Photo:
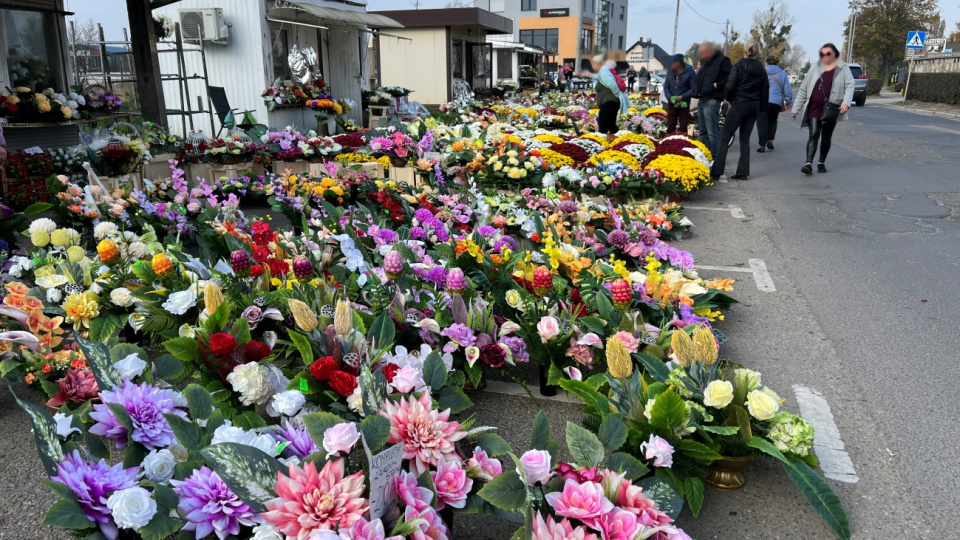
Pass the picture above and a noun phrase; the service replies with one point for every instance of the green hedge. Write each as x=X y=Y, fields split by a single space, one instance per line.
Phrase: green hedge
x=874 y=86
x=935 y=87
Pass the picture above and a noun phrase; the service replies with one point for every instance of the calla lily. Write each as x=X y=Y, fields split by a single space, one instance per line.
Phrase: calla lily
x=429 y=324
x=691 y=289
x=507 y=328
x=573 y=373
x=17 y=314
x=591 y=340
x=473 y=353
x=23 y=338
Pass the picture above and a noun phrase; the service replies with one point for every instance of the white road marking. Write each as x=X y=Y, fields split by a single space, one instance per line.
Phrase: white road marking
x=735 y=210
x=827 y=444
x=757 y=267
x=514 y=389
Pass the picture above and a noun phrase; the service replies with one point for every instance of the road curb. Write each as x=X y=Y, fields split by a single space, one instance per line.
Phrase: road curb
x=938 y=114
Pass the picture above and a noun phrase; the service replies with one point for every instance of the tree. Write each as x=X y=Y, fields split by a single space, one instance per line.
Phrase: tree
x=736 y=52
x=882 y=27
x=771 y=28
x=955 y=36
x=693 y=54
x=794 y=56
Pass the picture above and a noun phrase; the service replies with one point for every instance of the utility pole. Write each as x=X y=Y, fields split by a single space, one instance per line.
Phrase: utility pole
x=726 y=37
x=676 y=24
x=854 y=11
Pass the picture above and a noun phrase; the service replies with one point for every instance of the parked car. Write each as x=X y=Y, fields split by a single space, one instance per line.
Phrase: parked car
x=860 y=81
x=656 y=82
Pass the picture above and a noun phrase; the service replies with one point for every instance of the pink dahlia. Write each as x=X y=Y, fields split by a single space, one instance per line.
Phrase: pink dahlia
x=631 y=498
x=410 y=492
x=308 y=500
x=562 y=530
x=452 y=484
x=428 y=437
x=76 y=386
x=432 y=528
x=585 y=502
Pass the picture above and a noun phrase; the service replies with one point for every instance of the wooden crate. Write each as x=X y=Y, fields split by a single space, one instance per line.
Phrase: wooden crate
x=229 y=171
x=403 y=174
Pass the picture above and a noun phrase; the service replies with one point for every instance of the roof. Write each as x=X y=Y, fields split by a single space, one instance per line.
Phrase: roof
x=659 y=54
x=357 y=17
x=434 y=18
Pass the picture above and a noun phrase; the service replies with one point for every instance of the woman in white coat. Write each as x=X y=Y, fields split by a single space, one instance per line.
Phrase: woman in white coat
x=824 y=98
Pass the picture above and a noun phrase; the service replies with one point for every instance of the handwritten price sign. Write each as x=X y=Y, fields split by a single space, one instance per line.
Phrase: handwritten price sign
x=383 y=467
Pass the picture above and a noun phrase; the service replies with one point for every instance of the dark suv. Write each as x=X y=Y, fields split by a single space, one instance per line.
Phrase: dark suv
x=859 y=84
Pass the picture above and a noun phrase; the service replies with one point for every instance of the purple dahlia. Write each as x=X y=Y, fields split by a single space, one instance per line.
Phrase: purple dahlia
x=93 y=485
x=211 y=507
x=145 y=404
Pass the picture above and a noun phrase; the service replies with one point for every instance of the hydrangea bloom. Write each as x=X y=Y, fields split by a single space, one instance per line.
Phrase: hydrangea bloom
x=308 y=500
x=145 y=404
x=211 y=507
x=428 y=437
x=93 y=485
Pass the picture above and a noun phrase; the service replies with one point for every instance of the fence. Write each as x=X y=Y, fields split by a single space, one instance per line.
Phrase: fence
x=105 y=63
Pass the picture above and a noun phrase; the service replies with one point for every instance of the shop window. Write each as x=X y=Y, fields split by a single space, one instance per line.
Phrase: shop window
x=545 y=38
x=623 y=14
x=504 y=64
x=281 y=49
x=528 y=5
x=31 y=44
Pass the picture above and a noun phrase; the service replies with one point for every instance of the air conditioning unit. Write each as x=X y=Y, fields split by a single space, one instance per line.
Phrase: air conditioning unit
x=204 y=24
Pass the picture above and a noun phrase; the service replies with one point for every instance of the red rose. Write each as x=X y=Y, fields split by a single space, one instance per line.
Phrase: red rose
x=260 y=253
x=323 y=368
x=390 y=371
x=222 y=344
x=256 y=351
x=256 y=270
x=493 y=355
x=343 y=383
x=278 y=267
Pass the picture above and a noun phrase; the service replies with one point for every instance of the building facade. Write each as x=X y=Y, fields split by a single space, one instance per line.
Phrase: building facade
x=645 y=53
x=575 y=30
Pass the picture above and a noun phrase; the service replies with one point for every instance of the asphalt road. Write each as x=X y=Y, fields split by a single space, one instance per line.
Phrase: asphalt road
x=864 y=313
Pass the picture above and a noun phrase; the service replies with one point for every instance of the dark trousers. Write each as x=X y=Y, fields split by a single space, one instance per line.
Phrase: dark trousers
x=675 y=115
x=741 y=116
x=607 y=117
x=822 y=131
x=767 y=123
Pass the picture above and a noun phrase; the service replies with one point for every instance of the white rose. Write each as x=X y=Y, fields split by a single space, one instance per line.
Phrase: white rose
x=54 y=296
x=718 y=394
x=132 y=508
x=267 y=531
x=229 y=433
x=548 y=328
x=121 y=296
x=763 y=404
x=158 y=465
x=407 y=379
x=15 y=271
x=130 y=367
x=286 y=403
x=536 y=466
x=179 y=303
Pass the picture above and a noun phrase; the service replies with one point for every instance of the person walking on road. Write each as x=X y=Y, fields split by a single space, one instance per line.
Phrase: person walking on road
x=611 y=99
x=824 y=98
x=781 y=98
x=748 y=91
x=631 y=79
x=643 y=79
x=709 y=89
x=678 y=89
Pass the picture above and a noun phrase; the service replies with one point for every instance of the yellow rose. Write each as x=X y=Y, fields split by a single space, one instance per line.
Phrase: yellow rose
x=513 y=299
x=763 y=404
x=718 y=394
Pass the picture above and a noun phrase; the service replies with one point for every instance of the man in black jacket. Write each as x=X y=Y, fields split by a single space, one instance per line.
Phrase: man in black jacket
x=709 y=88
x=748 y=91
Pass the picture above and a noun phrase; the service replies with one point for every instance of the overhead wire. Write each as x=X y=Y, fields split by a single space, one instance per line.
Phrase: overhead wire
x=701 y=16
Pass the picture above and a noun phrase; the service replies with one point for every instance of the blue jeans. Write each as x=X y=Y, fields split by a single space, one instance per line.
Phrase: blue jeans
x=709 y=118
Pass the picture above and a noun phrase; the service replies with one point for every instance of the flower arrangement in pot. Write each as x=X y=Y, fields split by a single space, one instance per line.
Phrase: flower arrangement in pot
x=162 y=25
x=116 y=155
x=392 y=143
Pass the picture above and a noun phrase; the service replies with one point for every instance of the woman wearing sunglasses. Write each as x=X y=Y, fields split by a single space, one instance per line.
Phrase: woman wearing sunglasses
x=824 y=98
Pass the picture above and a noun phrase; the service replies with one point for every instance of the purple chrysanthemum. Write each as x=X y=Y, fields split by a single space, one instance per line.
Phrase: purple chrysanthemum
x=417 y=233
x=618 y=238
x=93 y=484
x=386 y=236
x=145 y=404
x=301 y=444
x=422 y=215
x=567 y=207
x=211 y=507
x=486 y=230
x=649 y=237
x=437 y=275
x=517 y=346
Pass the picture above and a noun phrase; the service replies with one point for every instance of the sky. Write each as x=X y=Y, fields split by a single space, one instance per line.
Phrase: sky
x=817 y=21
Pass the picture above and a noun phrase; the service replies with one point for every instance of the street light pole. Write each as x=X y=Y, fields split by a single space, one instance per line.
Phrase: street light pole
x=854 y=11
x=676 y=23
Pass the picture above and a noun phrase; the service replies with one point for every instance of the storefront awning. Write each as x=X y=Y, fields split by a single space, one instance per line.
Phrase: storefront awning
x=345 y=16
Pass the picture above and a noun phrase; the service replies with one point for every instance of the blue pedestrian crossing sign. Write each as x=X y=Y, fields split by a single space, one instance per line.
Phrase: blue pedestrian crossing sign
x=916 y=39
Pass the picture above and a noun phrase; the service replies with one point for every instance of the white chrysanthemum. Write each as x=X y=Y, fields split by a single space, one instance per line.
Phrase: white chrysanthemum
x=250 y=383
x=132 y=508
x=137 y=250
x=54 y=296
x=46 y=225
x=267 y=531
x=105 y=229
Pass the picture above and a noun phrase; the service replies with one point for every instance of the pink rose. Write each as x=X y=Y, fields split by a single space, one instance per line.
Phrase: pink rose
x=594 y=181
x=585 y=502
x=193 y=207
x=629 y=341
x=548 y=328
x=340 y=438
x=582 y=474
x=659 y=450
x=452 y=484
x=407 y=379
x=482 y=466
x=536 y=466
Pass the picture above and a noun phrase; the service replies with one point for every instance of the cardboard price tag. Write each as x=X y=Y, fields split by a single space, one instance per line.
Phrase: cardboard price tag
x=382 y=468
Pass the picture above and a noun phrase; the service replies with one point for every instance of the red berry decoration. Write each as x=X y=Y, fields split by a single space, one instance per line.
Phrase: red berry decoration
x=302 y=267
x=622 y=294
x=542 y=281
x=240 y=262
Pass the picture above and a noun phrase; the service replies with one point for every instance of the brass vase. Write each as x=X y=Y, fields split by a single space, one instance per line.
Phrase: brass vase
x=727 y=473
x=470 y=388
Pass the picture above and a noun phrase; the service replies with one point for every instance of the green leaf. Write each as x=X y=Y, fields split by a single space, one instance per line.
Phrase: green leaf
x=98 y=358
x=188 y=433
x=766 y=447
x=594 y=324
x=376 y=431
x=169 y=368
x=319 y=422
x=584 y=446
x=506 y=491
x=721 y=430
x=667 y=499
x=37 y=208
x=693 y=492
x=183 y=348
x=104 y=327
x=542 y=432
x=455 y=399
x=303 y=346
x=382 y=331
x=248 y=471
x=160 y=527
x=242 y=329
x=66 y=513
x=625 y=463
x=820 y=496
x=8 y=365
x=249 y=420
x=654 y=366
x=613 y=432
x=493 y=444
x=698 y=451
x=122 y=350
x=434 y=372
x=44 y=434
x=668 y=411
x=739 y=417
x=587 y=393
x=199 y=401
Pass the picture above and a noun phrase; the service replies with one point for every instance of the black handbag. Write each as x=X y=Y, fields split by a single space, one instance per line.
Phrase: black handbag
x=831 y=111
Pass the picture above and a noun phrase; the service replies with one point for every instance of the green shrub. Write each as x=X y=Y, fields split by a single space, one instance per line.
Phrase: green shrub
x=935 y=87
x=874 y=86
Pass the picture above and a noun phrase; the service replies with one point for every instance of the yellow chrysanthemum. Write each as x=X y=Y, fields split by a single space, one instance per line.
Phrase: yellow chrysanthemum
x=596 y=137
x=687 y=172
x=75 y=254
x=547 y=137
x=624 y=158
x=79 y=308
x=635 y=138
x=654 y=110
x=703 y=148
x=40 y=238
x=60 y=238
x=555 y=159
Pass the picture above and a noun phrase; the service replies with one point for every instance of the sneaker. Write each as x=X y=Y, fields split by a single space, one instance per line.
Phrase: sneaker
x=761 y=149
x=806 y=169
x=770 y=145
x=821 y=168
x=738 y=177
x=714 y=178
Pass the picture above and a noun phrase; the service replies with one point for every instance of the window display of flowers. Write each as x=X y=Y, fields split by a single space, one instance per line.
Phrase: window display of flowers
x=100 y=101
x=25 y=104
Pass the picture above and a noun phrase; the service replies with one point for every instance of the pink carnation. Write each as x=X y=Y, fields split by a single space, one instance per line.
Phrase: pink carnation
x=580 y=353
